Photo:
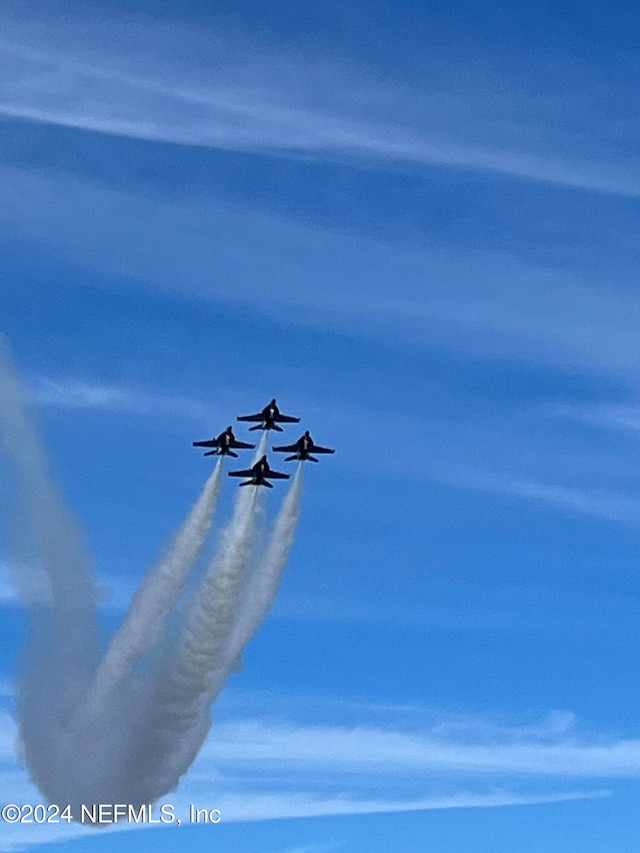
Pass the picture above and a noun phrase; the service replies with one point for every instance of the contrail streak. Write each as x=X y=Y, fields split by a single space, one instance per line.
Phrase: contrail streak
x=53 y=532
x=244 y=612
x=262 y=586
x=213 y=614
x=176 y=718
x=54 y=577
x=126 y=730
x=159 y=593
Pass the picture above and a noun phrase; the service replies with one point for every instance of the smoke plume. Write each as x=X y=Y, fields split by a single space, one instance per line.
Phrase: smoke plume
x=126 y=727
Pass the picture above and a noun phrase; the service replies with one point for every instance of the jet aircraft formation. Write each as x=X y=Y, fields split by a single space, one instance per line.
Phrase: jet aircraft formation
x=259 y=474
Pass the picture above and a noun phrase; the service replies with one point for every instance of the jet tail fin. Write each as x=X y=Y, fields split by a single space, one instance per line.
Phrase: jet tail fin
x=291 y=458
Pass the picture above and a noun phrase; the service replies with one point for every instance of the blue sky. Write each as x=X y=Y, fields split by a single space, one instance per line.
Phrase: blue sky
x=418 y=230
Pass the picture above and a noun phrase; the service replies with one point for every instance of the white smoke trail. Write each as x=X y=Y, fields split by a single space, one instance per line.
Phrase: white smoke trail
x=213 y=613
x=232 y=621
x=58 y=591
x=154 y=600
x=263 y=584
x=261 y=449
x=175 y=713
x=244 y=612
x=120 y=732
x=53 y=531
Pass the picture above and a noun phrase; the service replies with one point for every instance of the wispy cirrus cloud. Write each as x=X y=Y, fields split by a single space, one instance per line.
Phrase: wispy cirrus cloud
x=618 y=418
x=319 y=847
x=331 y=761
x=295 y=805
x=363 y=749
x=480 y=304
x=248 y=807
x=610 y=505
x=455 y=608
x=455 y=447
x=232 y=92
x=77 y=394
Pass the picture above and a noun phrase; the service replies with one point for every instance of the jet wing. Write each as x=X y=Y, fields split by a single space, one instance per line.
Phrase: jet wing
x=251 y=418
x=276 y=475
x=316 y=449
x=261 y=482
x=241 y=445
x=212 y=442
x=285 y=419
x=248 y=473
x=287 y=448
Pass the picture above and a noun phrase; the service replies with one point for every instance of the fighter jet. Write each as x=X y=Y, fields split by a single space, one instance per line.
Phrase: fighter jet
x=223 y=444
x=258 y=474
x=269 y=418
x=303 y=448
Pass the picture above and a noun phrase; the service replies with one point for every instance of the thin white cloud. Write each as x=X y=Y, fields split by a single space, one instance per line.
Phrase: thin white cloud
x=368 y=749
x=478 y=304
x=472 y=609
x=318 y=847
x=613 y=504
x=268 y=807
x=510 y=610
x=354 y=760
x=620 y=418
x=75 y=394
x=246 y=96
x=248 y=807
x=81 y=395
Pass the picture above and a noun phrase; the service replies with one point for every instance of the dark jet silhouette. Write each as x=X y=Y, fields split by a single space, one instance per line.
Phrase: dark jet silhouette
x=303 y=448
x=259 y=473
x=269 y=418
x=224 y=444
